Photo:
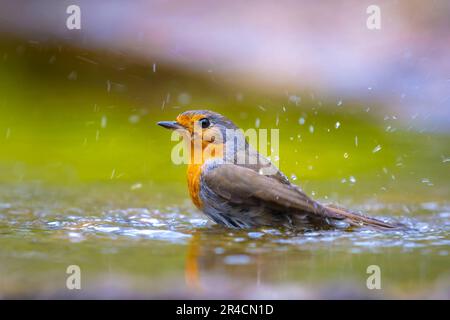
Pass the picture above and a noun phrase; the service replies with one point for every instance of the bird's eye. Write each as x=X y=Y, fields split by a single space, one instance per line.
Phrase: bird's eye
x=204 y=123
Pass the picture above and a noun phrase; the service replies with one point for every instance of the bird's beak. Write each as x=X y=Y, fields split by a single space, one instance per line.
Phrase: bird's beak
x=172 y=125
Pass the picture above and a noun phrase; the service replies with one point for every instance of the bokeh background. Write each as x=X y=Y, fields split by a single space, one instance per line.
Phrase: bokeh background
x=364 y=119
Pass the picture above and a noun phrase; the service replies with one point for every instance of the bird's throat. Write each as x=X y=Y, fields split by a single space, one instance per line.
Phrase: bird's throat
x=194 y=170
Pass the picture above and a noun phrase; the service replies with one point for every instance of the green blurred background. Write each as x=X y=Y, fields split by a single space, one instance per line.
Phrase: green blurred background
x=74 y=116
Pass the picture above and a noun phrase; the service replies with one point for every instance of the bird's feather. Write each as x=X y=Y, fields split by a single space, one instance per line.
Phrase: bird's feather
x=246 y=187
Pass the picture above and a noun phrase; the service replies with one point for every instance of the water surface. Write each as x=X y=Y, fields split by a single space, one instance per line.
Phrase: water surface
x=151 y=243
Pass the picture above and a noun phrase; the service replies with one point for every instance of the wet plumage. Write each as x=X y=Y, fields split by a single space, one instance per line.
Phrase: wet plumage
x=250 y=193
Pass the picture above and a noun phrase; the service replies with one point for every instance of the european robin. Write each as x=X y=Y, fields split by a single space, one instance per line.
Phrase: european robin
x=239 y=188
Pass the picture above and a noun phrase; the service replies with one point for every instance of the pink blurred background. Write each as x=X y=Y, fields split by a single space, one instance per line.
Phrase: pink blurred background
x=279 y=46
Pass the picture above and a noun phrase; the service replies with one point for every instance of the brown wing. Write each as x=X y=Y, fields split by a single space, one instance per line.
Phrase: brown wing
x=240 y=185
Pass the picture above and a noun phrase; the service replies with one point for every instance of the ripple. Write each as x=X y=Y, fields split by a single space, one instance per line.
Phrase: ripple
x=428 y=226
x=156 y=234
x=238 y=259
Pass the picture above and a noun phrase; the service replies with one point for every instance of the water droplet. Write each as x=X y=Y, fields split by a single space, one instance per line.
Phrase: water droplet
x=295 y=99
x=136 y=186
x=376 y=149
x=184 y=98
x=72 y=76
x=134 y=118
x=103 y=121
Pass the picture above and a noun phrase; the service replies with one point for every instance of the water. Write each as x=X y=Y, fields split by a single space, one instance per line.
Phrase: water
x=151 y=243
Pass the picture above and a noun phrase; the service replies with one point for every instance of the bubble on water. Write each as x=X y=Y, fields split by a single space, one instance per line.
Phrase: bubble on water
x=156 y=234
x=255 y=235
x=219 y=250
x=293 y=177
x=346 y=155
x=152 y=221
x=444 y=215
x=105 y=229
x=352 y=179
x=237 y=259
x=340 y=224
x=301 y=121
x=198 y=222
x=337 y=125
x=311 y=128
x=376 y=149
x=257 y=123
x=54 y=224
x=4 y=205
x=75 y=236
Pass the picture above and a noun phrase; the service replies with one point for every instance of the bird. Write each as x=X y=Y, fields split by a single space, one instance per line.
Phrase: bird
x=239 y=188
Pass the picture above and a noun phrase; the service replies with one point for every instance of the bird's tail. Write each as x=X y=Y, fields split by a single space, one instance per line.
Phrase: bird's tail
x=357 y=219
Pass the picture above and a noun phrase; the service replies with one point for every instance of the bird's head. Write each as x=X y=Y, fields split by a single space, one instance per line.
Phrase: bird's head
x=201 y=125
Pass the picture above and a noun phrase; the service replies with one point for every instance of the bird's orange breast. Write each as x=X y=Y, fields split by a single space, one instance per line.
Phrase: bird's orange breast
x=194 y=173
